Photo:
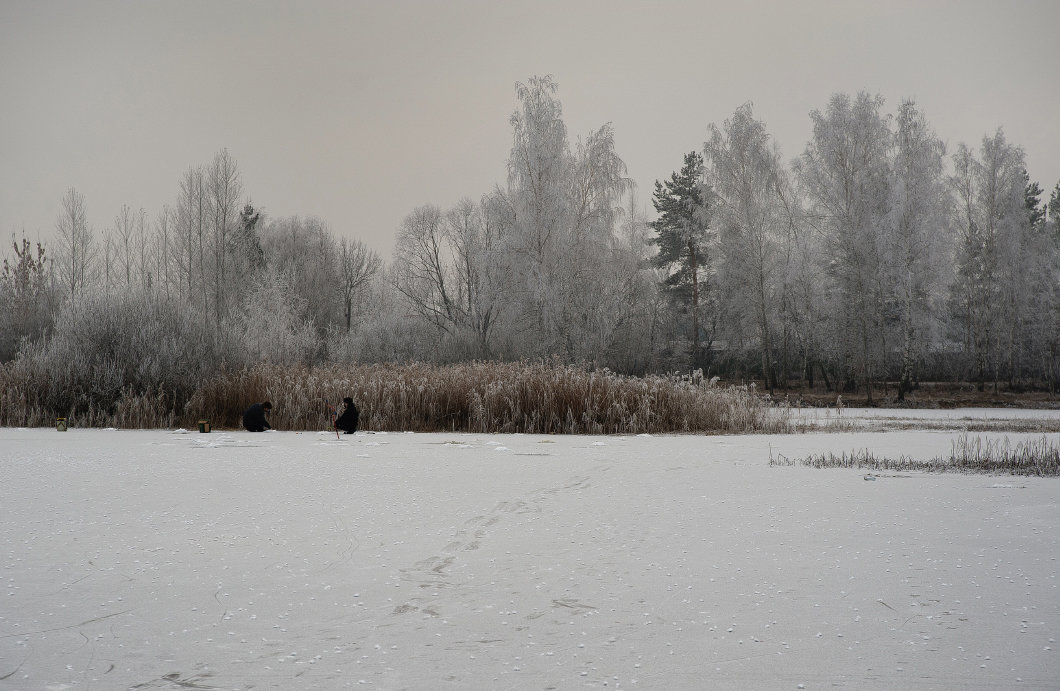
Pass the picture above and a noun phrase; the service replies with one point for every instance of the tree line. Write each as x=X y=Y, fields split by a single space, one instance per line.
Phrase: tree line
x=873 y=256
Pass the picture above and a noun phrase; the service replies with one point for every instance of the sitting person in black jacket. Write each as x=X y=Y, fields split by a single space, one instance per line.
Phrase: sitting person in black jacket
x=254 y=419
x=347 y=421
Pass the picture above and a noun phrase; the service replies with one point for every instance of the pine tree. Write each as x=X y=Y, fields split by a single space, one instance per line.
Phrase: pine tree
x=1054 y=210
x=1032 y=194
x=683 y=235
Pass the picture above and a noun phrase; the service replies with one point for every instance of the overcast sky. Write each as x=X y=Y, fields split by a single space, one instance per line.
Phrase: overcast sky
x=358 y=111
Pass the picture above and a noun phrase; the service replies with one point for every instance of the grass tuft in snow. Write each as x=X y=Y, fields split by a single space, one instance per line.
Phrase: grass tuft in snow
x=968 y=455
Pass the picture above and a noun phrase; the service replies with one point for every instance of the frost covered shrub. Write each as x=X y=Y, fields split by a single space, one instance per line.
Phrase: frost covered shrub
x=123 y=360
x=487 y=397
x=271 y=325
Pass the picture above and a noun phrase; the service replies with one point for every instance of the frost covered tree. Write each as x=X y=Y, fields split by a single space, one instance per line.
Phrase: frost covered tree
x=163 y=253
x=78 y=251
x=248 y=255
x=803 y=306
x=272 y=325
x=143 y=251
x=448 y=275
x=743 y=174
x=304 y=253
x=358 y=265
x=561 y=205
x=642 y=309
x=683 y=238
x=535 y=269
x=538 y=167
x=990 y=296
x=126 y=248
x=538 y=176
x=224 y=187
x=846 y=175
x=423 y=271
x=1051 y=320
x=206 y=246
x=192 y=239
x=24 y=297
x=595 y=270
x=480 y=274
x=917 y=241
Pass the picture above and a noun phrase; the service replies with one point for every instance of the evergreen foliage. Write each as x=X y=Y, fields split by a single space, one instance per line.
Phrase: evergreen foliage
x=1032 y=202
x=683 y=238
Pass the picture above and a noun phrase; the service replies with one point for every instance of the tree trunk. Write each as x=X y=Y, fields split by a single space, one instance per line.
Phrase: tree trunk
x=763 y=327
x=695 y=303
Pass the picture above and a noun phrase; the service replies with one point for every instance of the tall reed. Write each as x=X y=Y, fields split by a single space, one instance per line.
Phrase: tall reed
x=476 y=397
x=487 y=397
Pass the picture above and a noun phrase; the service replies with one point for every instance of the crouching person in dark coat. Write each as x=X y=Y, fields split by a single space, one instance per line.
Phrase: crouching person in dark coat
x=347 y=421
x=254 y=419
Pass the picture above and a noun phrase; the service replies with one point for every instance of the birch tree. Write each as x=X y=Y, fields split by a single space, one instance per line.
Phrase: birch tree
x=988 y=294
x=78 y=251
x=164 y=245
x=845 y=173
x=561 y=242
x=917 y=240
x=743 y=175
x=538 y=174
x=126 y=249
x=224 y=188
x=595 y=269
x=193 y=238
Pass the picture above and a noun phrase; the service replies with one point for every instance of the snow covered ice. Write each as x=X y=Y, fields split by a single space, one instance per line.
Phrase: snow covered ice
x=163 y=560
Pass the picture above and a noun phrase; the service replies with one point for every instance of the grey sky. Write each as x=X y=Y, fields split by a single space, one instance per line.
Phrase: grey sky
x=357 y=112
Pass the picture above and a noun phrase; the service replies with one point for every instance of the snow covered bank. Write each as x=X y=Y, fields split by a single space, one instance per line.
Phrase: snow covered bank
x=970 y=419
x=154 y=559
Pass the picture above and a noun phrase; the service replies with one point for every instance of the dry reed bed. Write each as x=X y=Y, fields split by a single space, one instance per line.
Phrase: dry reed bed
x=475 y=397
x=487 y=397
x=968 y=455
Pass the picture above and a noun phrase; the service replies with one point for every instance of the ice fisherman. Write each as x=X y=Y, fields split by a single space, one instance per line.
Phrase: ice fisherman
x=254 y=418
x=347 y=420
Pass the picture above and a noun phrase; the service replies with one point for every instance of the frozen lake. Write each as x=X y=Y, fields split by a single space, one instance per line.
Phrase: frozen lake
x=927 y=414
x=229 y=560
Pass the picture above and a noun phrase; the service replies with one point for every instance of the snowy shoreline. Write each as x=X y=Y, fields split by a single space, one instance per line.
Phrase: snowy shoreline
x=943 y=413
x=163 y=559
